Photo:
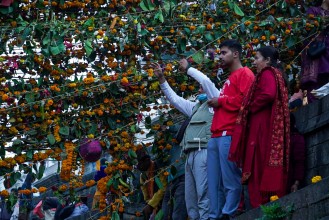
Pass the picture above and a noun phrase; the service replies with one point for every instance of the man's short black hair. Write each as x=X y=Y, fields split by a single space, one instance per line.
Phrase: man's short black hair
x=233 y=45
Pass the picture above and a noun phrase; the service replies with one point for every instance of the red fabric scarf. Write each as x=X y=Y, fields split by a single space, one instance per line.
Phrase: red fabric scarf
x=278 y=156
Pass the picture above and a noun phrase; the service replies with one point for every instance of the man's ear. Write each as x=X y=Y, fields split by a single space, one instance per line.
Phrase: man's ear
x=236 y=54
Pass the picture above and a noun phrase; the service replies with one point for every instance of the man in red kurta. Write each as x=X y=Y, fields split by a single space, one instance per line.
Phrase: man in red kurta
x=224 y=177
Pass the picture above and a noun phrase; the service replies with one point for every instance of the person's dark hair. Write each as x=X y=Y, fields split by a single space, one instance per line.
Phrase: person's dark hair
x=84 y=199
x=103 y=161
x=273 y=54
x=142 y=155
x=317 y=2
x=233 y=45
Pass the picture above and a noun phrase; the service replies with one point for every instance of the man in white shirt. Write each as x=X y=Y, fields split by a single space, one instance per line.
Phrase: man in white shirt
x=196 y=136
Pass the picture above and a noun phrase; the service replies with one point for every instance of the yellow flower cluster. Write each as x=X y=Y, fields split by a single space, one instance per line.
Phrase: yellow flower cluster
x=89 y=80
x=90 y=183
x=55 y=88
x=101 y=184
x=68 y=163
x=102 y=203
x=42 y=189
x=72 y=85
x=56 y=133
x=5 y=97
x=25 y=191
x=50 y=102
x=63 y=188
x=273 y=198
x=4 y=193
x=13 y=130
x=8 y=162
x=316 y=179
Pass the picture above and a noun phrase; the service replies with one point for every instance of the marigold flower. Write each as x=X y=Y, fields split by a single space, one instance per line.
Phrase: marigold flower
x=124 y=80
x=4 y=193
x=90 y=183
x=25 y=191
x=273 y=198
x=316 y=179
x=42 y=189
x=5 y=97
x=63 y=188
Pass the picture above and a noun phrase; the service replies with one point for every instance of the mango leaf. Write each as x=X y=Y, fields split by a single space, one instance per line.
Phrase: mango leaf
x=132 y=154
x=198 y=57
x=173 y=170
x=158 y=182
x=109 y=183
x=2 y=151
x=64 y=130
x=111 y=123
x=29 y=97
x=181 y=45
x=47 y=39
x=12 y=200
x=32 y=132
x=290 y=41
x=150 y=4
x=238 y=10
x=115 y=216
x=209 y=37
x=139 y=27
x=167 y=40
x=200 y=29
x=55 y=50
x=41 y=171
x=14 y=177
x=29 y=155
x=88 y=47
x=148 y=122
x=93 y=129
x=159 y=16
x=133 y=128
x=6 y=10
x=159 y=215
x=89 y=23
x=143 y=6
x=51 y=139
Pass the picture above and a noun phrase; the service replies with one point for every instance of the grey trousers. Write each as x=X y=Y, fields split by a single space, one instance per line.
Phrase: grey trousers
x=196 y=185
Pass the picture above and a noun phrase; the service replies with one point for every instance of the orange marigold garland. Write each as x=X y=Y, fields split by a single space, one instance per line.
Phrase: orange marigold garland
x=42 y=189
x=67 y=164
x=90 y=183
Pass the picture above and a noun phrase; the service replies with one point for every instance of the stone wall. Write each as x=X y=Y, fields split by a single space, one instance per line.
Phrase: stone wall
x=313 y=121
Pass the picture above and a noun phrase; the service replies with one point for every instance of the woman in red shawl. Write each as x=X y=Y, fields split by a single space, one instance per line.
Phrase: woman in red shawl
x=260 y=143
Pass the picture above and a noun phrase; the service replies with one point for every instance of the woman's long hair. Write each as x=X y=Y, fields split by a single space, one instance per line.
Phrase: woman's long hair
x=273 y=54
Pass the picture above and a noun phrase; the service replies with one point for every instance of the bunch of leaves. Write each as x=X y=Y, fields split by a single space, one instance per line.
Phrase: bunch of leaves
x=275 y=211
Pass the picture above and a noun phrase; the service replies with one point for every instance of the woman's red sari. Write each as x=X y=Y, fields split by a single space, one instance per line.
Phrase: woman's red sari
x=260 y=143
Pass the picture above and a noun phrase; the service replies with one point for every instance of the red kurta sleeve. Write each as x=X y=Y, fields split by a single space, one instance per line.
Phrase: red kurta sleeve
x=233 y=102
x=266 y=92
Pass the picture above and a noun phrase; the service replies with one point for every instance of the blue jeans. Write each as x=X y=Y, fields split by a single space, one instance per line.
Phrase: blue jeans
x=196 y=186
x=224 y=178
x=173 y=203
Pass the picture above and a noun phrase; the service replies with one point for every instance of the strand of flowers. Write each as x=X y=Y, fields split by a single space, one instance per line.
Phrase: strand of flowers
x=68 y=163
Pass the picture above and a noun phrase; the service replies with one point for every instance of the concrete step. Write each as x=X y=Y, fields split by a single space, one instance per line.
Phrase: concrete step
x=310 y=203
